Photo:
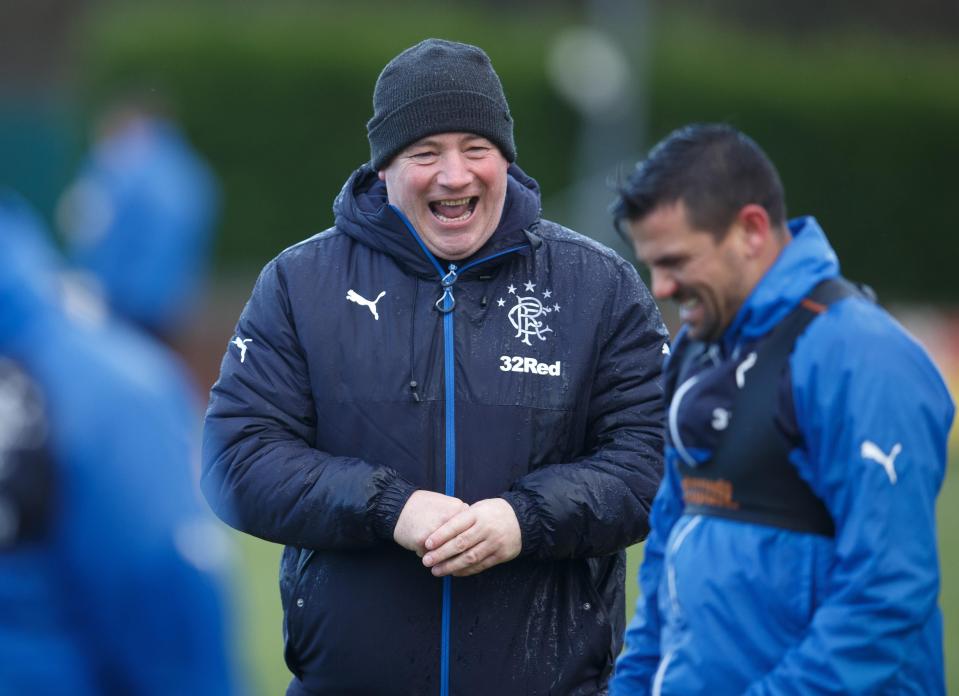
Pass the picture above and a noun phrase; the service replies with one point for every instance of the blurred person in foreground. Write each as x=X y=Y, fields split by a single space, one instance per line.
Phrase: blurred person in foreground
x=107 y=558
x=793 y=548
x=448 y=409
x=139 y=220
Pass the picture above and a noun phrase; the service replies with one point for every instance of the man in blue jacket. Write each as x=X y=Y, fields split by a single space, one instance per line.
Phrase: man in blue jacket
x=139 y=220
x=793 y=543
x=448 y=409
x=108 y=562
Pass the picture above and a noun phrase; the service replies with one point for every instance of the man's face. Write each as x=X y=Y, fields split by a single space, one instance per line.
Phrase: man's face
x=706 y=277
x=452 y=187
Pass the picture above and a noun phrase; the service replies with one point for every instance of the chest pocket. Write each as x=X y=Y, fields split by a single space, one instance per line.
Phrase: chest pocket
x=523 y=344
x=702 y=407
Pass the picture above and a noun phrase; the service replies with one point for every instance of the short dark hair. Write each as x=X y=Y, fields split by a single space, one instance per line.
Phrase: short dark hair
x=713 y=168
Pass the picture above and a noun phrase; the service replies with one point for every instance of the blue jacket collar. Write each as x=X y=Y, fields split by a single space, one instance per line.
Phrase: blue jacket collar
x=805 y=262
x=361 y=210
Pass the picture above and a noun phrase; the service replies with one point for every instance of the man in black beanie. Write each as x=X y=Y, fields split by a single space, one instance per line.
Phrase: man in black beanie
x=446 y=373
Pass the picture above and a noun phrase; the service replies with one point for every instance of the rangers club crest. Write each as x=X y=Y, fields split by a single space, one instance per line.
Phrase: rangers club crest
x=530 y=314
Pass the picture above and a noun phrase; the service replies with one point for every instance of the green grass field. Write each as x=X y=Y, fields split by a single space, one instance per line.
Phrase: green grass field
x=259 y=618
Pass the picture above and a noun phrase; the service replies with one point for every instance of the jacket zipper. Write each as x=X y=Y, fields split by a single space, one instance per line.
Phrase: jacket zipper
x=450 y=384
x=661 y=674
x=673 y=419
x=445 y=304
x=672 y=549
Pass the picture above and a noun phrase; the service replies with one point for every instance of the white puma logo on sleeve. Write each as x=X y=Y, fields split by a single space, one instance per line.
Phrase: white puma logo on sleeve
x=241 y=344
x=870 y=450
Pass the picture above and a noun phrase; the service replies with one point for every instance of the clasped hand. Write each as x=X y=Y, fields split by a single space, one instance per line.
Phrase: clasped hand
x=454 y=538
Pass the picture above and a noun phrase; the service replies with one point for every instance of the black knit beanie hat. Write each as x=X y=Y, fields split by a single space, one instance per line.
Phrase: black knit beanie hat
x=437 y=86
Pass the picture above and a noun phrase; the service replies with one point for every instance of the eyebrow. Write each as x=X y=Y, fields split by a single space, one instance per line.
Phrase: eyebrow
x=668 y=260
x=433 y=142
x=420 y=144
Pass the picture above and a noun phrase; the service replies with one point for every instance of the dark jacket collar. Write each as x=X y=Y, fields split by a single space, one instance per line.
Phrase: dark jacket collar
x=362 y=211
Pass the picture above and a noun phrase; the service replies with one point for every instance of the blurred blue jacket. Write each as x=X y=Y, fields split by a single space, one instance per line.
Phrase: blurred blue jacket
x=141 y=219
x=113 y=591
x=729 y=607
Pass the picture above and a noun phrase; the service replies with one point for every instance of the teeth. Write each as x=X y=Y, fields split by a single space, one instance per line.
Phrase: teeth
x=437 y=206
x=462 y=217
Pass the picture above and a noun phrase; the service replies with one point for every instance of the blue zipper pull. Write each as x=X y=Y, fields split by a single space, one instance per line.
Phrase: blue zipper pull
x=446 y=303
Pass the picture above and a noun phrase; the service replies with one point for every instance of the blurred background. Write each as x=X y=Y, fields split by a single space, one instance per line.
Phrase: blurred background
x=243 y=119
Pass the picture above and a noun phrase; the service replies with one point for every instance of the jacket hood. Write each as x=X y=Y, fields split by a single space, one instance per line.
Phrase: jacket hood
x=363 y=212
x=805 y=262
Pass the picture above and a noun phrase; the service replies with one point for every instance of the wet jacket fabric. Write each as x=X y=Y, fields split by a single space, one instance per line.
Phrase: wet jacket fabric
x=540 y=385
x=108 y=581
x=730 y=607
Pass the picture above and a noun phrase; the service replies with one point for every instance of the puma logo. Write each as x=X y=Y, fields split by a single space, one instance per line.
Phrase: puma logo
x=353 y=296
x=870 y=450
x=743 y=368
x=241 y=344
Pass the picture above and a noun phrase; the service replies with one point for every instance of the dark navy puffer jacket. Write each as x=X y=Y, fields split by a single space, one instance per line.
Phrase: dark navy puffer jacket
x=346 y=388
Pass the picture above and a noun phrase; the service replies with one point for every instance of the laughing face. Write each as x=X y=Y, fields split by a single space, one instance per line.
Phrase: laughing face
x=452 y=187
x=707 y=277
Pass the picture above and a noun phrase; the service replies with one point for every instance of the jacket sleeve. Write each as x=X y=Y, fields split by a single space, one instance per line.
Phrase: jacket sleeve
x=599 y=503
x=261 y=472
x=636 y=666
x=875 y=416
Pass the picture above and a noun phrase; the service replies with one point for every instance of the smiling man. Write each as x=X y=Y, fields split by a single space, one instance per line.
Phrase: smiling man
x=793 y=548
x=448 y=409
x=452 y=187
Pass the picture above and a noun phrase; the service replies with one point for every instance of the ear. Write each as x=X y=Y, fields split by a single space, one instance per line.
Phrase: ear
x=757 y=231
x=381 y=174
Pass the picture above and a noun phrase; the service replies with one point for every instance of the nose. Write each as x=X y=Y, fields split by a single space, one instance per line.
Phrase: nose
x=454 y=171
x=664 y=285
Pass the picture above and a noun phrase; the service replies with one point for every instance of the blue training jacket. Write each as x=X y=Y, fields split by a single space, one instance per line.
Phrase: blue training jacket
x=355 y=378
x=141 y=219
x=107 y=557
x=729 y=607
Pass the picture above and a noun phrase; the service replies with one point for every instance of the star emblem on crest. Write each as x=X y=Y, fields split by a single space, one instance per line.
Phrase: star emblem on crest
x=529 y=314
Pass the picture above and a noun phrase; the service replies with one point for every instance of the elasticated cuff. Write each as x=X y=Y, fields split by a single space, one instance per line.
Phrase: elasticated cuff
x=389 y=505
x=530 y=528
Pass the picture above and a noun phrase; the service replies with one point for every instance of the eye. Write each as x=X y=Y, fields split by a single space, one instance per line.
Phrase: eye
x=669 y=262
x=477 y=150
x=423 y=155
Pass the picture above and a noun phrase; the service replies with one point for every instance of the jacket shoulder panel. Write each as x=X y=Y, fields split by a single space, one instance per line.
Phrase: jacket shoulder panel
x=856 y=338
x=310 y=246
x=553 y=232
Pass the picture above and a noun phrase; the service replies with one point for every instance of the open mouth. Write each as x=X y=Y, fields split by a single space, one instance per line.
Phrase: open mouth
x=454 y=210
x=688 y=306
